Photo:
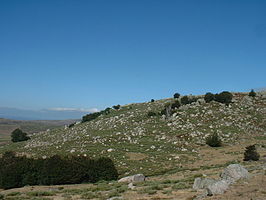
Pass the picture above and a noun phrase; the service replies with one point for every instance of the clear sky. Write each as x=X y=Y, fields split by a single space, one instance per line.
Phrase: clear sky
x=97 y=53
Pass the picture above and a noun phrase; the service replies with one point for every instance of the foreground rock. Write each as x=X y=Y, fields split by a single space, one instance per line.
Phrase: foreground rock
x=230 y=175
x=132 y=179
x=202 y=183
x=234 y=172
x=219 y=187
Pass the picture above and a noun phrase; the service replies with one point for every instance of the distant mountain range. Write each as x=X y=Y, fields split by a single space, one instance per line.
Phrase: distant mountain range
x=45 y=114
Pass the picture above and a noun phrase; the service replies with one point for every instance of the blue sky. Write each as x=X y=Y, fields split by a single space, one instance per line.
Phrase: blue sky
x=97 y=53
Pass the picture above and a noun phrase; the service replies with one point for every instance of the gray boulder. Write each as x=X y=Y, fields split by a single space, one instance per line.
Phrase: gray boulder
x=234 y=172
x=131 y=186
x=218 y=187
x=203 y=183
x=132 y=179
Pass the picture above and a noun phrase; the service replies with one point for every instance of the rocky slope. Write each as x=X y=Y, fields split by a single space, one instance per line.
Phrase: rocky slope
x=139 y=143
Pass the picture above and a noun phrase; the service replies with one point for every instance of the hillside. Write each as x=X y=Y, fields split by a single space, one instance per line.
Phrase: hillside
x=171 y=153
x=152 y=145
x=33 y=126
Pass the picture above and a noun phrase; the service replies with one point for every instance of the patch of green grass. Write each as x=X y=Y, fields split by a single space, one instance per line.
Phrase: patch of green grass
x=260 y=137
x=180 y=186
x=13 y=194
x=41 y=193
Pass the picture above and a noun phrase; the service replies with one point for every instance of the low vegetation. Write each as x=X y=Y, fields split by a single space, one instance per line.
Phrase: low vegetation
x=251 y=153
x=213 y=140
x=18 y=136
x=18 y=171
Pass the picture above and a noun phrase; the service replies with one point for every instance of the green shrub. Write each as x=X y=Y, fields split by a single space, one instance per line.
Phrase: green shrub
x=175 y=105
x=224 y=97
x=117 y=107
x=251 y=153
x=152 y=100
x=18 y=135
x=176 y=95
x=107 y=111
x=2 y=196
x=184 y=100
x=71 y=125
x=213 y=140
x=19 y=171
x=151 y=113
x=90 y=116
x=209 y=97
x=252 y=93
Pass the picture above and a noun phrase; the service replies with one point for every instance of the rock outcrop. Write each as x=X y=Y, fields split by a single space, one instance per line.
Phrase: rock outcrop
x=230 y=175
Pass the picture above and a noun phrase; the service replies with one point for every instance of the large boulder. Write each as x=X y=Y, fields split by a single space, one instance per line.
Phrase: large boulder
x=132 y=179
x=203 y=183
x=234 y=172
x=218 y=187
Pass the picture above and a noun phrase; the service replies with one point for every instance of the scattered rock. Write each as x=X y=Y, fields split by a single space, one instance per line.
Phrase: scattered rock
x=218 y=187
x=134 y=179
x=131 y=186
x=114 y=198
x=234 y=172
x=203 y=183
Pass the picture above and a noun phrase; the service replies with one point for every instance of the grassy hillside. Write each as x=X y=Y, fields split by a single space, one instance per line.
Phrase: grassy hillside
x=139 y=143
x=172 y=152
x=8 y=125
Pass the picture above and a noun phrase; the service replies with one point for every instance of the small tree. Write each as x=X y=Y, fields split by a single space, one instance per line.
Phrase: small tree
x=152 y=100
x=208 y=97
x=213 y=140
x=18 y=135
x=251 y=153
x=176 y=95
x=252 y=93
x=117 y=107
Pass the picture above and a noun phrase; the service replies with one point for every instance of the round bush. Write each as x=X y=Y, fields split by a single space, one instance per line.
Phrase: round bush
x=208 y=97
x=214 y=140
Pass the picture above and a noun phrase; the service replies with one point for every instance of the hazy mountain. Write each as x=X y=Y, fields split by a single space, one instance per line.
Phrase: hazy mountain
x=45 y=114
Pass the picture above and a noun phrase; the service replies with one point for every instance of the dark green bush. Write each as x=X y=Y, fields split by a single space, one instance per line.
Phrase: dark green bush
x=151 y=113
x=90 y=116
x=213 y=140
x=18 y=135
x=19 y=171
x=252 y=93
x=107 y=111
x=209 y=97
x=176 y=95
x=184 y=100
x=175 y=105
x=224 y=97
x=117 y=107
x=152 y=100
x=71 y=125
x=251 y=153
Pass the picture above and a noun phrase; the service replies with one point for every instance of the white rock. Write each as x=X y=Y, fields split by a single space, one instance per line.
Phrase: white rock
x=234 y=172
x=218 y=187
x=134 y=178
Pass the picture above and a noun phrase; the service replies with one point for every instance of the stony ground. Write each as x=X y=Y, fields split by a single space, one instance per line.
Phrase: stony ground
x=172 y=153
